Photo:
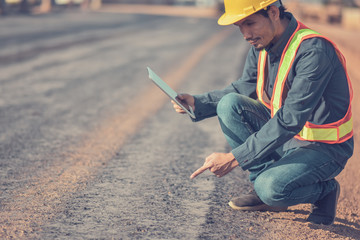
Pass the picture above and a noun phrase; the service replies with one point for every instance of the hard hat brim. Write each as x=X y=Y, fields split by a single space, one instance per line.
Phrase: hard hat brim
x=227 y=19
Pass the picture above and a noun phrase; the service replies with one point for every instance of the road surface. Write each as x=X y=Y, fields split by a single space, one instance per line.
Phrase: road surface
x=90 y=149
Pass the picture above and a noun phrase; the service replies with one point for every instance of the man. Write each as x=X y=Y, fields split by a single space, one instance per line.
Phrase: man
x=287 y=119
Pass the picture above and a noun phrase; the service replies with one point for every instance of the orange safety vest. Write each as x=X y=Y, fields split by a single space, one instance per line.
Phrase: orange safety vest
x=336 y=132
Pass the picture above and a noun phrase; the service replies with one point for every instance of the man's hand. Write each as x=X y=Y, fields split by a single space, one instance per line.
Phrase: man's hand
x=186 y=100
x=218 y=163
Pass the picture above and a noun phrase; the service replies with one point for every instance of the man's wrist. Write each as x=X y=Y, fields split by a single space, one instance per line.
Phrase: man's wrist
x=231 y=156
x=232 y=159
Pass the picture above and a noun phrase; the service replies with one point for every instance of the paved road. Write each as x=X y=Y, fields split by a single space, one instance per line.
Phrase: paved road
x=89 y=149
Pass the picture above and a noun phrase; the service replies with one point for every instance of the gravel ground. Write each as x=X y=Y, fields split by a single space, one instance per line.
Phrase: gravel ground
x=73 y=165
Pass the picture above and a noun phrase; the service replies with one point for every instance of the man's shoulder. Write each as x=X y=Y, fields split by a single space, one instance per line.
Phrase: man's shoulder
x=316 y=44
x=318 y=49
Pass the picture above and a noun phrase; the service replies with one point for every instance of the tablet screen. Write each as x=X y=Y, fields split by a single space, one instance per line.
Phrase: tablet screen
x=169 y=91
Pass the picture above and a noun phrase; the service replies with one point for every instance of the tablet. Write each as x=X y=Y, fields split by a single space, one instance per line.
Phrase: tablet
x=169 y=91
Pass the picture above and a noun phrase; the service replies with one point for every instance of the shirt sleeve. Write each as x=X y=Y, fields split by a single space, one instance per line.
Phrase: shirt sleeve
x=313 y=69
x=205 y=104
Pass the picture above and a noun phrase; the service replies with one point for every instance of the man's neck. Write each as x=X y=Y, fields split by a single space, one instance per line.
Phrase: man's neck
x=282 y=25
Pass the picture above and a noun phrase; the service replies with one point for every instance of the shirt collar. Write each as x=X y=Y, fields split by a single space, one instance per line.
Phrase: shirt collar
x=277 y=48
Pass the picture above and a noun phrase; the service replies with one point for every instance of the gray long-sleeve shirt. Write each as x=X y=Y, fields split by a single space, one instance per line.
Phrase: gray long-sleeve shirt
x=318 y=93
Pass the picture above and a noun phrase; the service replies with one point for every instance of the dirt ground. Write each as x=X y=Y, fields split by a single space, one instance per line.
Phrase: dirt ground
x=259 y=225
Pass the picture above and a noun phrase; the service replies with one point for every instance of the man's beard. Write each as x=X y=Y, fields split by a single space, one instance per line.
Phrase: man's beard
x=259 y=48
x=251 y=41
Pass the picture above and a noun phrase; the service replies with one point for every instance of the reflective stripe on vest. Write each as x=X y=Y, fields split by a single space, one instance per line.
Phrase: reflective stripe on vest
x=336 y=132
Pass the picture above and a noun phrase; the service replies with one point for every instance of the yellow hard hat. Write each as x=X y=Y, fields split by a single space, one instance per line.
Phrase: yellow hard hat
x=235 y=10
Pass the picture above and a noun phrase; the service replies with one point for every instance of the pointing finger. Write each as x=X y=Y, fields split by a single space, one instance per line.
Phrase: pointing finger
x=201 y=169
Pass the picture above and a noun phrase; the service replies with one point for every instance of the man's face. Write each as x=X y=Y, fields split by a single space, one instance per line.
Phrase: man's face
x=258 y=30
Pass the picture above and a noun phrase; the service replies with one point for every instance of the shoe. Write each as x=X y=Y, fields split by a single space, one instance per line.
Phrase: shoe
x=324 y=210
x=251 y=202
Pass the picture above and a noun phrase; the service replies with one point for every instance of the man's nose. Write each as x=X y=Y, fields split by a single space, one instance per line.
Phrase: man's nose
x=246 y=33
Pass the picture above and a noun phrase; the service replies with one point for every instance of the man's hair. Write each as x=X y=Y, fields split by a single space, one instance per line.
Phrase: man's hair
x=264 y=12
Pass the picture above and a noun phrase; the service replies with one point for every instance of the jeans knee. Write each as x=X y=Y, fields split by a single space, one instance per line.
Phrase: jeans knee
x=270 y=190
x=227 y=104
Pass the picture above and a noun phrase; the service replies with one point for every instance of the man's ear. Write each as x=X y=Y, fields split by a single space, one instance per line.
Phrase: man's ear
x=274 y=13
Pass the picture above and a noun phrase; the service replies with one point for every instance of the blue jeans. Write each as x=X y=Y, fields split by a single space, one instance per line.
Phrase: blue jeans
x=298 y=175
